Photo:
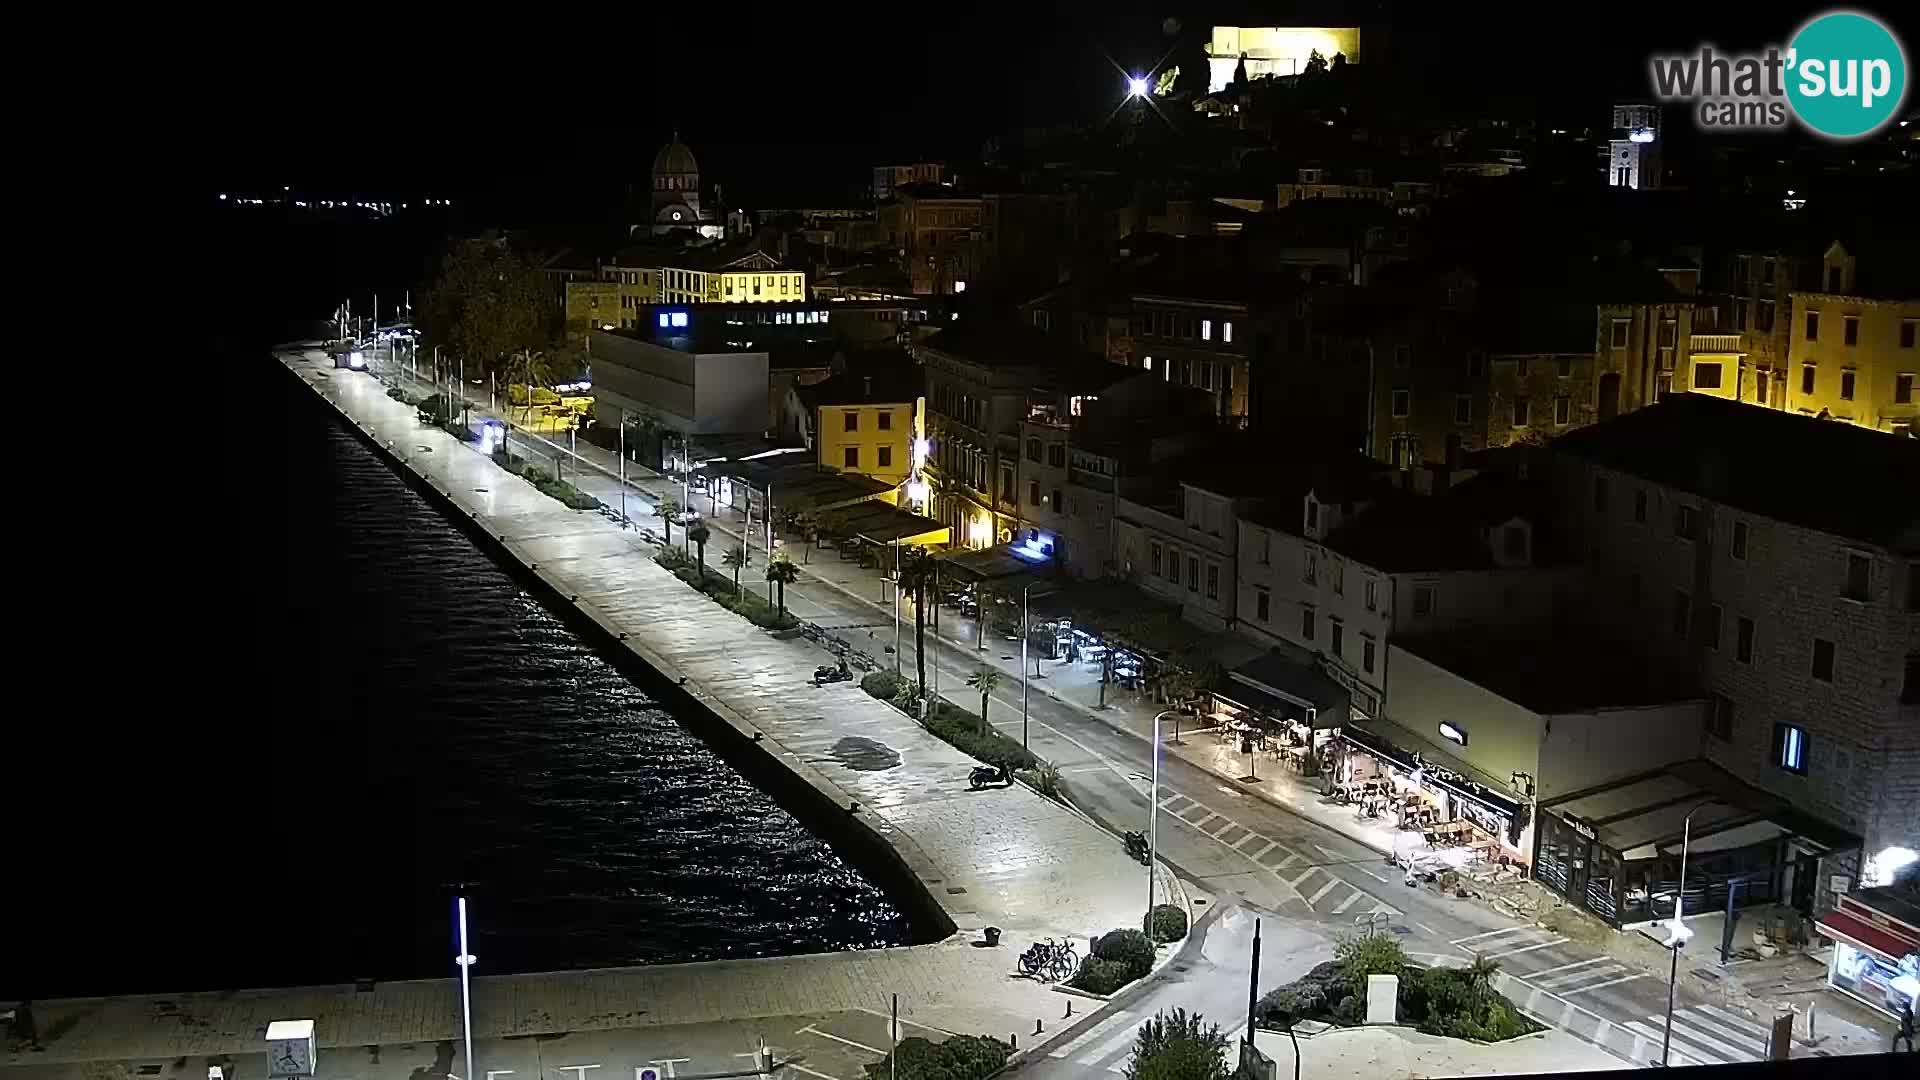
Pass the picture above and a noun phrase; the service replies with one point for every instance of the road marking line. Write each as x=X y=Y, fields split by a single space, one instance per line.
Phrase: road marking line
x=1712 y=1037
x=1529 y=976
x=1560 y=982
x=1525 y=948
x=1090 y=1034
x=1290 y=858
x=1304 y=875
x=1701 y=1044
x=1492 y=933
x=1255 y=855
x=1341 y=908
x=1086 y=768
x=810 y=1072
x=904 y=1020
x=1652 y=1035
x=1230 y=826
x=1324 y=890
x=1597 y=986
x=811 y=1030
x=1387 y=909
x=1739 y=1022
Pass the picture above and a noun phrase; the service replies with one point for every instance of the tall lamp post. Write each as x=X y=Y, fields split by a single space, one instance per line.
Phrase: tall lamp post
x=1153 y=823
x=1026 y=631
x=1678 y=934
x=466 y=961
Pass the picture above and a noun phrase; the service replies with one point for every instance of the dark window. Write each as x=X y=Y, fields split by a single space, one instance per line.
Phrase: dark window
x=1173 y=567
x=1262 y=604
x=853 y=420
x=1520 y=366
x=1306 y=623
x=885 y=420
x=1720 y=720
x=1682 y=612
x=1402 y=355
x=1859 y=576
x=1193 y=573
x=1706 y=376
x=1463 y=409
x=1366 y=656
x=1563 y=409
x=1790 y=748
x=1033 y=450
x=852 y=454
x=1633 y=591
x=1521 y=411
x=1057 y=455
x=1402 y=402
x=1566 y=367
x=1059 y=504
x=1313 y=514
x=1600 y=489
x=1910 y=690
x=1213 y=582
x=1739 y=539
x=1743 y=640
x=1710 y=633
x=1476 y=364
x=1850 y=330
x=1846 y=386
x=1339 y=636
x=1423 y=599
x=1373 y=593
x=1154 y=551
x=1806 y=378
x=1033 y=493
x=1620 y=333
x=1813 y=326
x=1640 y=506
x=1913 y=586
x=1823 y=659
x=1903 y=388
x=886 y=455
x=1906 y=333
x=1686 y=522
x=1763 y=316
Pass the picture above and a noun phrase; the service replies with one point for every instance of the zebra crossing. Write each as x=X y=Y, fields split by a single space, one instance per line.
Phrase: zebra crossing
x=1320 y=890
x=1704 y=1035
x=1518 y=948
x=1105 y=1045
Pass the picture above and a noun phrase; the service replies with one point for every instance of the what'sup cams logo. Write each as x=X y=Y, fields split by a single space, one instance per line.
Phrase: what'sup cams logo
x=1843 y=76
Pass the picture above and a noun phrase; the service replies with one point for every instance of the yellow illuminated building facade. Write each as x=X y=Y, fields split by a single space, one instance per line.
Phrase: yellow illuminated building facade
x=1855 y=358
x=754 y=278
x=1275 y=50
x=872 y=438
x=613 y=302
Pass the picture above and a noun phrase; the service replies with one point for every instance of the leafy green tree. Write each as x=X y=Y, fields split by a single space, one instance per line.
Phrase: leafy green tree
x=1178 y=1045
x=781 y=573
x=531 y=368
x=669 y=510
x=734 y=559
x=699 y=534
x=919 y=577
x=486 y=302
x=986 y=681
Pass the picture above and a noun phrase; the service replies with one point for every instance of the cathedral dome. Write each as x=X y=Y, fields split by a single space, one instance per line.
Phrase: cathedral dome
x=674 y=159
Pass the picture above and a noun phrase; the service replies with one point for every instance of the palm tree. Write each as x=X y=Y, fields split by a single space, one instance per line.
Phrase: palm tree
x=699 y=534
x=734 y=559
x=668 y=509
x=781 y=573
x=532 y=367
x=1481 y=972
x=986 y=680
x=919 y=575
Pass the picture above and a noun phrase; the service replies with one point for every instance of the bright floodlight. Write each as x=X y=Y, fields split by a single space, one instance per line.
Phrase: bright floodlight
x=1136 y=86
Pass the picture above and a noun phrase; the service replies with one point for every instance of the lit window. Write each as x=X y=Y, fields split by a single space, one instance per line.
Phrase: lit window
x=1790 y=748
x=666 y=320
x=1226 y=333
x=1206 y=329
x=679 y=320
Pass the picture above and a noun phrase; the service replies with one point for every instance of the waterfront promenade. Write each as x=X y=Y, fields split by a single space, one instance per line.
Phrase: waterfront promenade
x=1002 y=857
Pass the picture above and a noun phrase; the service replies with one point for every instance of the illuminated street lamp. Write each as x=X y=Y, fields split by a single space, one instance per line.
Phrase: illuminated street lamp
x=1136 y=86
x=1153 y=822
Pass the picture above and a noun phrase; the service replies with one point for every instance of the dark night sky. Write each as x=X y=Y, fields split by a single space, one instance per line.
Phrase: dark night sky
x=799 y=96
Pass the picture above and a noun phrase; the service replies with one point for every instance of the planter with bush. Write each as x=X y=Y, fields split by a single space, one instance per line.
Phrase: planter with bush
x=1169 y=923
x=1119 y=957
x=719 y=588
x=951 y=723
x=1456 y=1002
x=1178 y=1045
x=960 y=1057
x=545 y=482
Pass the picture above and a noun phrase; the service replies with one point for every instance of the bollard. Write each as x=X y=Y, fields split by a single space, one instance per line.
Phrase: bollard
x=1013 y=1041
x=1069 y=1008
x=1037 y=1029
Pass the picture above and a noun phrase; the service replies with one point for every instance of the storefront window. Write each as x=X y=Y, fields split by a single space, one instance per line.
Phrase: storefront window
x=1873 y=978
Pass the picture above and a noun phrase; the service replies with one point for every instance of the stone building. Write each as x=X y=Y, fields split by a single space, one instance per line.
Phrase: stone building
x=1775 y=561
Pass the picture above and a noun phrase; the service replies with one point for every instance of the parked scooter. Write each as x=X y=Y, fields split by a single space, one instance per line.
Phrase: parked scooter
x=831 y=673
x=1137 y=847
x=982 y=775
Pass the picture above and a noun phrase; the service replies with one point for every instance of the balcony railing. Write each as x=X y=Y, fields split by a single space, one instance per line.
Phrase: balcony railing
x=1714 y=343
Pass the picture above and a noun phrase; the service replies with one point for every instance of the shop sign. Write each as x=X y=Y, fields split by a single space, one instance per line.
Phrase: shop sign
x=1580 y=827
x=1839 y=883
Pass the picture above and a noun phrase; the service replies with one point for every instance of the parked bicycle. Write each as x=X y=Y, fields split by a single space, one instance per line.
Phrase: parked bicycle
x=1049 y=961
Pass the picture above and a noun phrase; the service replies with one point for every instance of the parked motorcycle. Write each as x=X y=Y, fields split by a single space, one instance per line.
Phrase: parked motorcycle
x=1137 y=847
x=831 y=673
x=982 y=775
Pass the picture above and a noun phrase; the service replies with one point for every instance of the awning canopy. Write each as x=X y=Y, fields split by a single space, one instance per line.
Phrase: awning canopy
x=1863 y=934
x=998 y=565
x=882 y=523
x=1324 y=700
x=1648 y=813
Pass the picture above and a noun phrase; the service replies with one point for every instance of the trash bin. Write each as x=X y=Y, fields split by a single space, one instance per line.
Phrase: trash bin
x=993 y=935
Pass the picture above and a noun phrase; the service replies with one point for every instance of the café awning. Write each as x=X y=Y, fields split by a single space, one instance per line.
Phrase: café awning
x=1288 y=683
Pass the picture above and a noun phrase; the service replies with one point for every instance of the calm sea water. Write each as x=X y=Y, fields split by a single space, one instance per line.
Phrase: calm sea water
x=385 y=714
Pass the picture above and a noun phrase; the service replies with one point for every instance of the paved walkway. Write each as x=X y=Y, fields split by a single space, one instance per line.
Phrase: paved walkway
x=1003 y=857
